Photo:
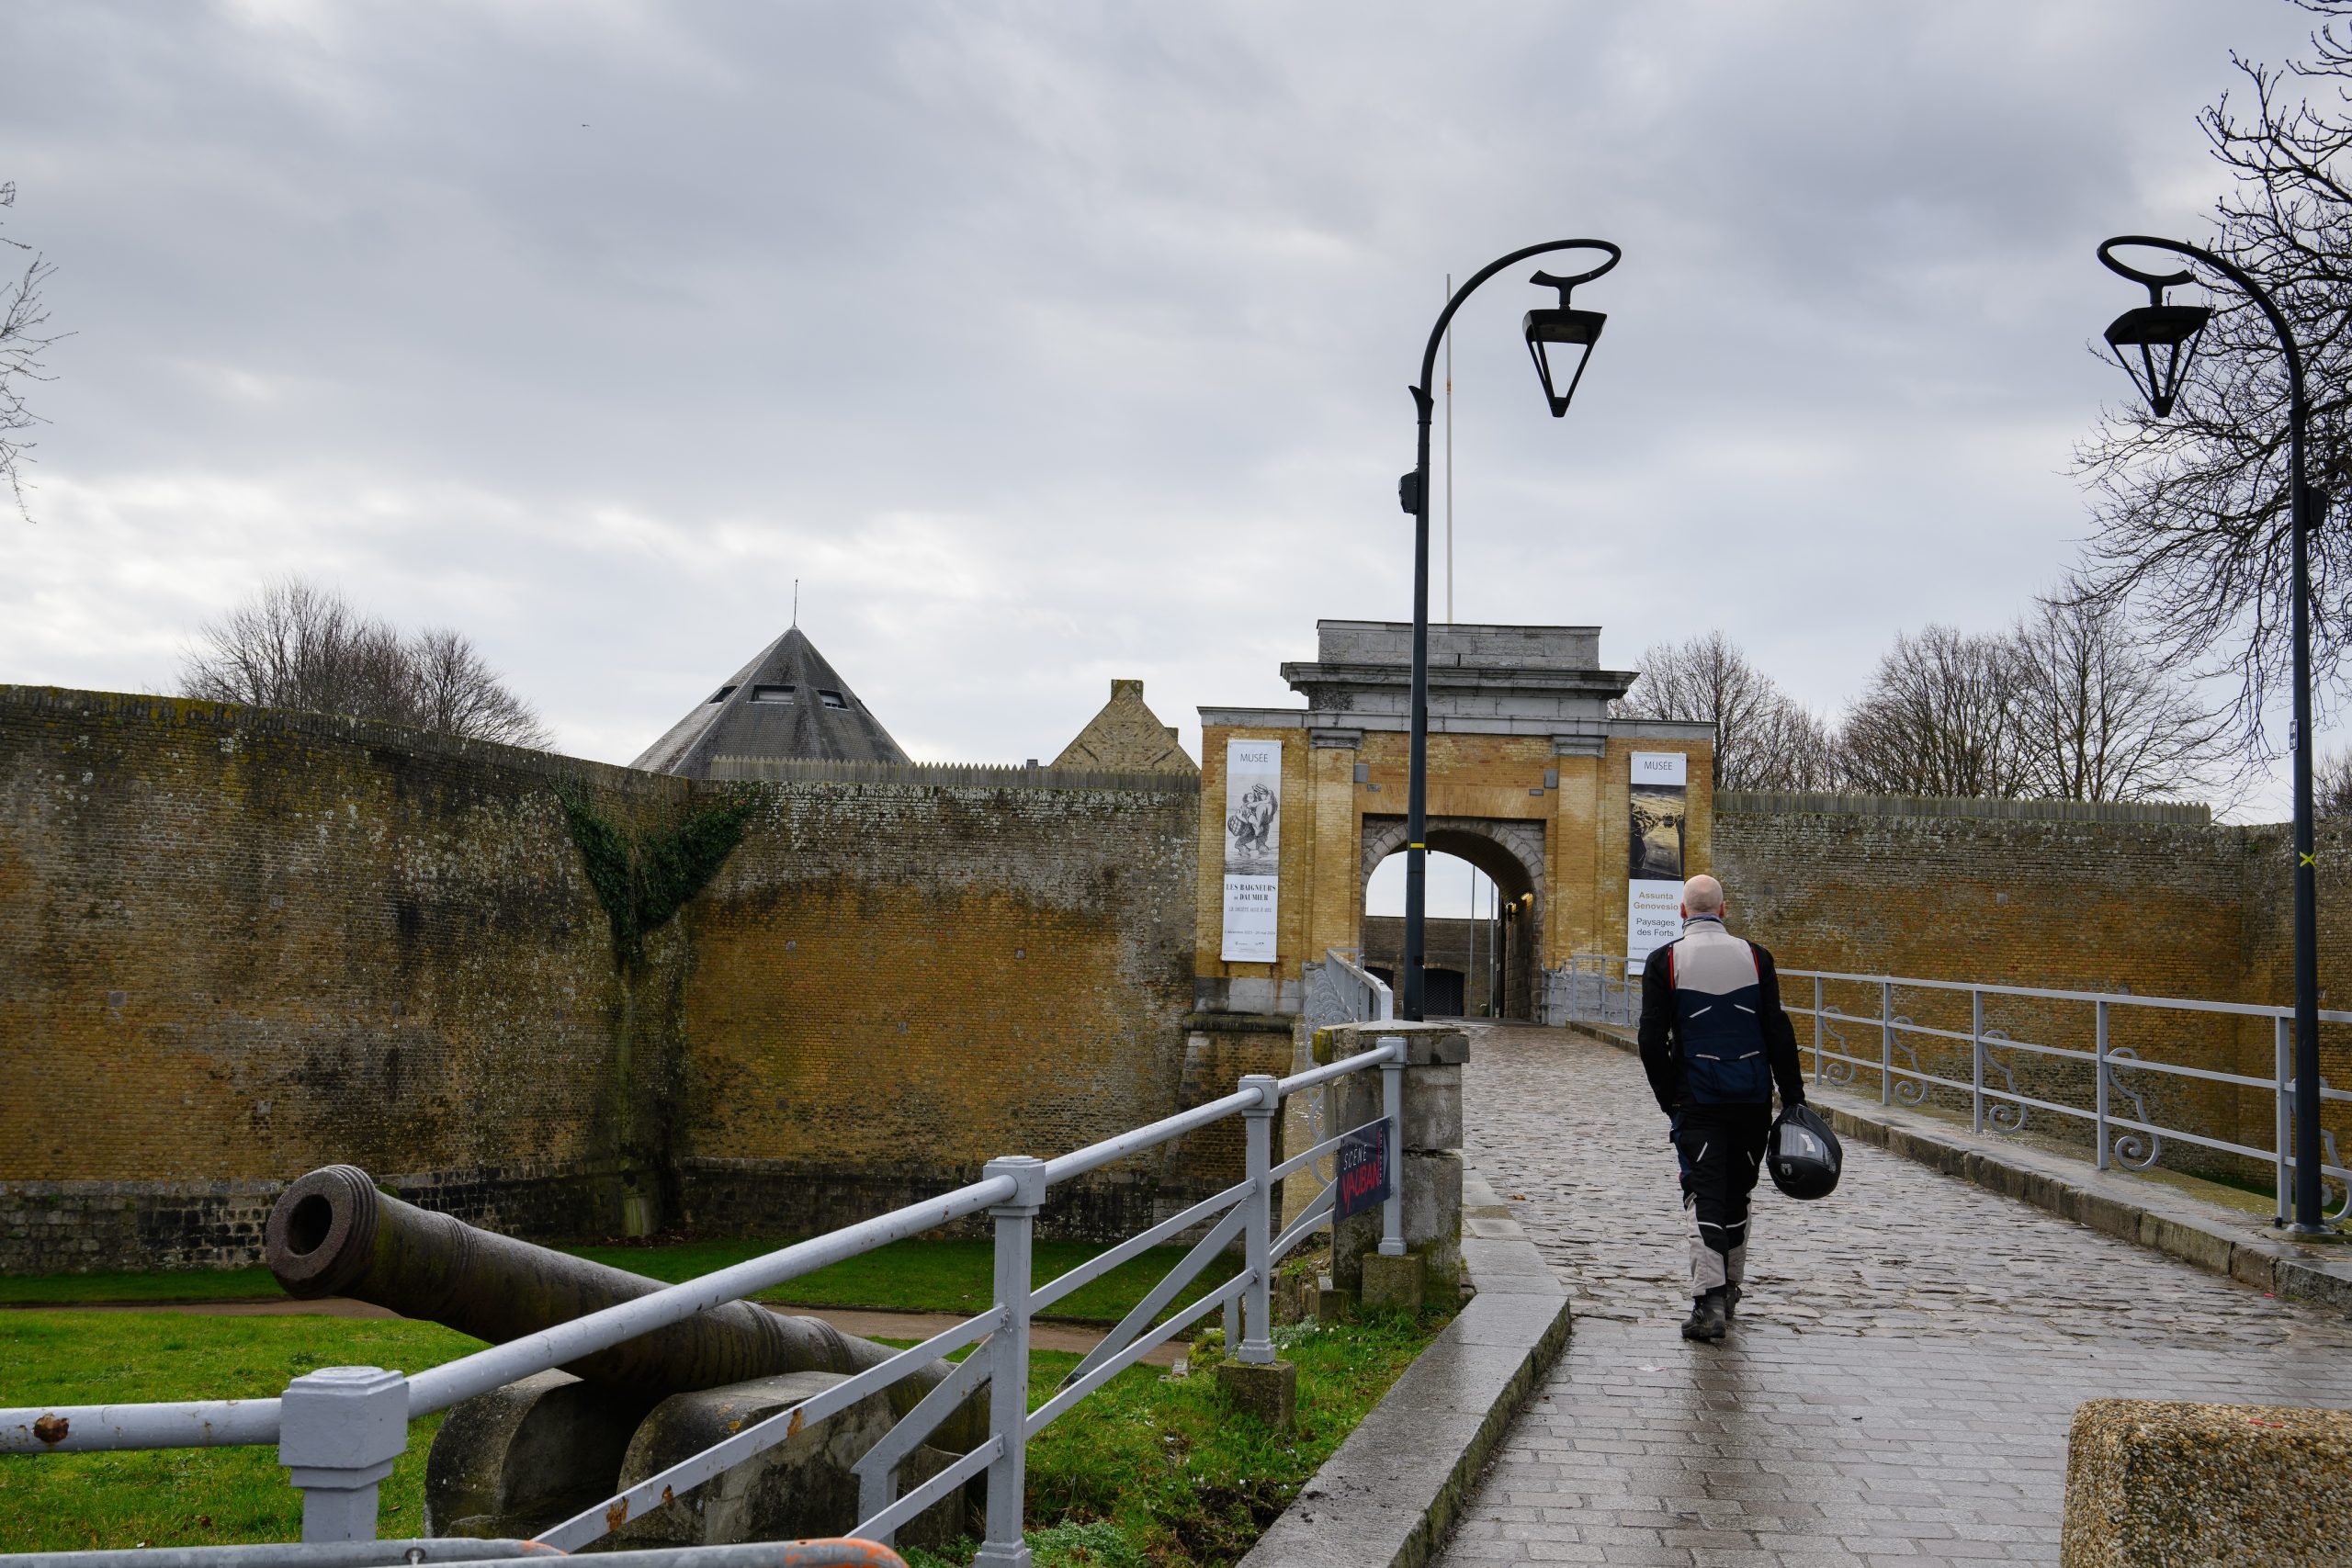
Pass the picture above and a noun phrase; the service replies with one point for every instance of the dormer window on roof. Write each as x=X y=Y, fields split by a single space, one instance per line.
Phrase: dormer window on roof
x=721 y=694
x=772 y=694
x=833 y=699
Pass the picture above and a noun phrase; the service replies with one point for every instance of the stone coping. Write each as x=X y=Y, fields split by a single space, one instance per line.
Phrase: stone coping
x=1388 y=1496
x=2221 y=1240
x=2197 y=1484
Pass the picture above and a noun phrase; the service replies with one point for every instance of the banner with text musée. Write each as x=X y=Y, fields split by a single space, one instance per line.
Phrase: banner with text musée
x=1254 y=842
x=1657 y=801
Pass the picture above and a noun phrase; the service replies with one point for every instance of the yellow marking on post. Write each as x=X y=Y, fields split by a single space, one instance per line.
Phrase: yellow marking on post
x=1417 y=846
x=2312 y=861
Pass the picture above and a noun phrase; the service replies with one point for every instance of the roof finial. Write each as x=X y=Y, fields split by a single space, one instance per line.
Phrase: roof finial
x=796 y=601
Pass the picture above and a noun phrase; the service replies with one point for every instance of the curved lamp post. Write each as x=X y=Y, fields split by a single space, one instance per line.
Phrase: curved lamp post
x=1560 y=339
x=2154 y=343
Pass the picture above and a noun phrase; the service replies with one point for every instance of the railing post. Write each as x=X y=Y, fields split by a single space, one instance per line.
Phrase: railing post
x=1392 y=1106
x=1976 y=1050
x=2101 y=1047
x=1816 y=1028
x=1886 y=1041
x=339 y=1430
x=2279 y=1074
x=1257 y=1346
x=1008 y=1351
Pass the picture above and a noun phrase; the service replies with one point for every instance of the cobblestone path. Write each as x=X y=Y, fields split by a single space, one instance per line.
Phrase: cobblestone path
x=1899 y=1384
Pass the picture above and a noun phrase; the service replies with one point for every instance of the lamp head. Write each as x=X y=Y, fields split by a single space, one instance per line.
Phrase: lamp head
x=1560 y=340
x=2154 y=343
x=1560 y=337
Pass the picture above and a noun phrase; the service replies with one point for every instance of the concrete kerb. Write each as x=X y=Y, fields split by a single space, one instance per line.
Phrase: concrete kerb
x=2173 y=1224
x=1387 y=1498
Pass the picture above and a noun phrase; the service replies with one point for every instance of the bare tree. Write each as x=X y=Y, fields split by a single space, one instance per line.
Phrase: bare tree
x=457 y=692
x=295 y=644
x=1797 y=750
x=2103 y=715
x=1763 y=740
x=2331 y=785
x=2192 y=510
x=22 y=343
x=1939 y=718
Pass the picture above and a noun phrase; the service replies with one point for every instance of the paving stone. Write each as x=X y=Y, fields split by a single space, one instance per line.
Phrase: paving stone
x=1899 y=1384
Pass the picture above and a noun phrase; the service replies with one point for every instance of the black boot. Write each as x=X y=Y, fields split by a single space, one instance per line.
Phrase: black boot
x=1708 y=1320
x=1731 y=1303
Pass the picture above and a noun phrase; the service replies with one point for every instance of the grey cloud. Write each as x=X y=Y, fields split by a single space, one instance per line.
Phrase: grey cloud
x=1051 y=343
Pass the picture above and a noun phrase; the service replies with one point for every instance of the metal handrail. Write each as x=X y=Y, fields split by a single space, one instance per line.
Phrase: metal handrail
x=1010 y=1192
x=1599 y=986
x=836 y=1553
x=1383 y=1001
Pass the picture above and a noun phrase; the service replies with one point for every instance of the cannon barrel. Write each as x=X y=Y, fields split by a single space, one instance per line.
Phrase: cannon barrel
x=333 y=1233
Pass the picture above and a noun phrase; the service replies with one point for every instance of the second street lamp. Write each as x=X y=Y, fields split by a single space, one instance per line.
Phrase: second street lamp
x=1555 y=335
x=2162 y=339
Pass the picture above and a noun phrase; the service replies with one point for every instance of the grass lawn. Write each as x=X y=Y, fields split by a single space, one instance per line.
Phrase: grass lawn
x=186 y=1496
x=1152 y=1470
x=907 y=1276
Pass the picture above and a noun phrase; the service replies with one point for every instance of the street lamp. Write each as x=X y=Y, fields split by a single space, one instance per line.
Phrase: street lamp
x=1560 y=339
x=2154 y=343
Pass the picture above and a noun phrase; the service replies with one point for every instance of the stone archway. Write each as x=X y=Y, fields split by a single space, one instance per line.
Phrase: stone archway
x=1510 y=851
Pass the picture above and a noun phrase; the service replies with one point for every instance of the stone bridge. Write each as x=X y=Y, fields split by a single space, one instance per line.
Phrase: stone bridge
x=1899 y=1388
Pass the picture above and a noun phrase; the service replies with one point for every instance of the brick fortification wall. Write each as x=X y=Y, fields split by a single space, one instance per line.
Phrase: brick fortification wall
x=2159 y=908
x=236 y=944
x=895 y=982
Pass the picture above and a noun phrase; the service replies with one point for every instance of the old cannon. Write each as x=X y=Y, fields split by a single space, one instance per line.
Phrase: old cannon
x=518 y=1458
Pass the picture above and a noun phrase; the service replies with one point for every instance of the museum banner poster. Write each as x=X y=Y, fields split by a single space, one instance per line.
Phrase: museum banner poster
x=1253 y=844
x=1656 y=803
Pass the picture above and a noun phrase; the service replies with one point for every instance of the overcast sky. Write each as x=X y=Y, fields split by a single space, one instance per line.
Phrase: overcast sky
x=1048 y=344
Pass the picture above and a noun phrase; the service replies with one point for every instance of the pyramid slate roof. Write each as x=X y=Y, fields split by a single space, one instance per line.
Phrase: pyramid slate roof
x=787 y=702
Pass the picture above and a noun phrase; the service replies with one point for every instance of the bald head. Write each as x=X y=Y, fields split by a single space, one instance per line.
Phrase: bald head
x=1703 y=895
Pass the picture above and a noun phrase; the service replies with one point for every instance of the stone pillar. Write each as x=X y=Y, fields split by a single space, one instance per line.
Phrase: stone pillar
x=1432 y=1149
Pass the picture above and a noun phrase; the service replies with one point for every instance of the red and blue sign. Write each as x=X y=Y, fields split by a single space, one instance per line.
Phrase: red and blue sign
x=1364 y=1168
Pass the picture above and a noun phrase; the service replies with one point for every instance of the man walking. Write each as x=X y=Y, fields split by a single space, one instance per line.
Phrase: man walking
x=1714 y=1041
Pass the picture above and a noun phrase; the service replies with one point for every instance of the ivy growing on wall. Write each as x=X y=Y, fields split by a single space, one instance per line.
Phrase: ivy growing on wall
x=642 y=879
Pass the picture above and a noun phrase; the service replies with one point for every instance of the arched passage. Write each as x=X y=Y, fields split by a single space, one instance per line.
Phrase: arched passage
x=1510 y=853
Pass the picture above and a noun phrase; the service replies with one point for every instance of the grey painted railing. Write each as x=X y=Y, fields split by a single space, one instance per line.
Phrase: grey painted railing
x=1339 y=990
x=339 y=1429
x=835 y=1554
x=1595 y=989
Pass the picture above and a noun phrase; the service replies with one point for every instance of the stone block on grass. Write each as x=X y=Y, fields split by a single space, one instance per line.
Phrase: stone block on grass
x=1267 y=1390
x=2186 y=1485
x=1393 y=1284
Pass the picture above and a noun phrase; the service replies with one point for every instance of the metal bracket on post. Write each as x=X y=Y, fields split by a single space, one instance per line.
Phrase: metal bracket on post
x=1008 y=1353
x=1392 y=1106
x=1257 y=1346
x=339 y=1430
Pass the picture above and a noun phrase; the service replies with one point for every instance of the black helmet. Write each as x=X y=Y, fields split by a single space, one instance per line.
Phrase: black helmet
x=1804 y=1153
